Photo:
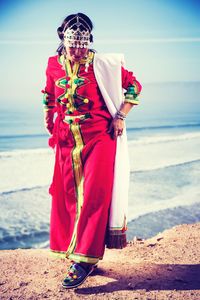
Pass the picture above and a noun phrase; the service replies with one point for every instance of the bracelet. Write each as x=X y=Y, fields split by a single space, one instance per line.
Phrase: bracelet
x=120 y=115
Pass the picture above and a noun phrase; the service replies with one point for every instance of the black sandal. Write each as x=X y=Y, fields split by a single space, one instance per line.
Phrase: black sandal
x=76 y=275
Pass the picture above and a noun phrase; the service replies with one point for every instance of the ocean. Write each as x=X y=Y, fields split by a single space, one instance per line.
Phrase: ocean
x=164 y=184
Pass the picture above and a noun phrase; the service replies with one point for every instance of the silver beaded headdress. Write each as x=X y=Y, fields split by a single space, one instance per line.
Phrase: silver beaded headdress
x=77 y=38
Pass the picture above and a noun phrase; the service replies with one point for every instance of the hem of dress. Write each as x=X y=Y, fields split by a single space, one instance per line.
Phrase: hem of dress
x=83 y=258
x=57 y=254
x=75 y=257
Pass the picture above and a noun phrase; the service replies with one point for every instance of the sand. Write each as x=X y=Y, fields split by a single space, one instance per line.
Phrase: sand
x=164 y=267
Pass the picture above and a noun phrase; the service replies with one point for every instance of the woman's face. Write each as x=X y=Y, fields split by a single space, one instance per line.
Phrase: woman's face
x=76 y=54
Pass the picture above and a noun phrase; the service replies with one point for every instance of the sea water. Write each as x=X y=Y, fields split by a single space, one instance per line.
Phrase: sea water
x=164 y=181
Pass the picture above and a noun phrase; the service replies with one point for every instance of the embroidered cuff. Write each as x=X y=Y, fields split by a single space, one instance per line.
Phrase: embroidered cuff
x=131 y=99
x=48 y=104
x=131 y=95
x=47 y=108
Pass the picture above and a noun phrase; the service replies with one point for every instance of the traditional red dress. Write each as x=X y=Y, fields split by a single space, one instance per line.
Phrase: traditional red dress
x=85 y=155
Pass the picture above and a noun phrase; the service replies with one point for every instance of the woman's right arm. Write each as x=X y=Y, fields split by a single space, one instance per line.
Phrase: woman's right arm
x=49 y=100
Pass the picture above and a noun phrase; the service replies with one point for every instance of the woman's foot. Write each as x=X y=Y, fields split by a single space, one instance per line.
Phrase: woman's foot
x=77 y=274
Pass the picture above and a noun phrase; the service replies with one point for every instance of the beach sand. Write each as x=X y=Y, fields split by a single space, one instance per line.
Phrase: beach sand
x=166 y=266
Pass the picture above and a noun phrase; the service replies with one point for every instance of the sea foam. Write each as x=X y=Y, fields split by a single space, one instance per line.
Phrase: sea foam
x=30 y=168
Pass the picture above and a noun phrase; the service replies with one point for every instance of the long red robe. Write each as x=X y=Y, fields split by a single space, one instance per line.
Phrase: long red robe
x=84 y=163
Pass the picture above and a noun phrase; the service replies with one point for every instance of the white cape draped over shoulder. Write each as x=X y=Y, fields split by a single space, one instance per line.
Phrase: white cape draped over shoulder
x=107 y=69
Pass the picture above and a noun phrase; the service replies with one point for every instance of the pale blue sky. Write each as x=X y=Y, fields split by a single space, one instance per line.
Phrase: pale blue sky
x=160 y=40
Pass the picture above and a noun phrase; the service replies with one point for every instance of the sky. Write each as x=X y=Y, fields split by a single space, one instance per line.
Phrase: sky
x=160 y=40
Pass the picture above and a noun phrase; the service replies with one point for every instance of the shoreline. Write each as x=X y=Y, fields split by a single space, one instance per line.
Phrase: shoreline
x=150 y=224
x=166 y=266
x=144 y=226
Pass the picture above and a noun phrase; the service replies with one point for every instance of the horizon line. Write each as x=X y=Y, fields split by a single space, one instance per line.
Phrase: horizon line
x=107 y=41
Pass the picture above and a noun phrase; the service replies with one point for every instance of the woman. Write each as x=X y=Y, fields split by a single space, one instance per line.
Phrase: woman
x=84 y=114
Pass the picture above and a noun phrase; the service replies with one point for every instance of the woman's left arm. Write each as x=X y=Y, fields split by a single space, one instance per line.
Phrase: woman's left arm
x=133 y=89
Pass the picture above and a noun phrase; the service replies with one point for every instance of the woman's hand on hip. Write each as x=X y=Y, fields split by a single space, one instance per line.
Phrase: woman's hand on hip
x=116 y=128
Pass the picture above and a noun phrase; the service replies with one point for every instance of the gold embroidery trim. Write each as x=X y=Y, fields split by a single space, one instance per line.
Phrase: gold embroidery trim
x=78 y=175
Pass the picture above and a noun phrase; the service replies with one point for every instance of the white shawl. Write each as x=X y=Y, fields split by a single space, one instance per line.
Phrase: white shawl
x=107 y=69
